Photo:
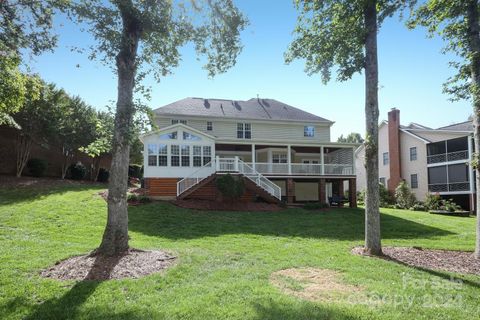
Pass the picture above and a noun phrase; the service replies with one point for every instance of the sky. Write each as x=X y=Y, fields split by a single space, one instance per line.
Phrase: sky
x=411 y=72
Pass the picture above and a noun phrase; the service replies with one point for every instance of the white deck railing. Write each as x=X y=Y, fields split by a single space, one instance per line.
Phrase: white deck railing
x=226 y=165
x=195 y=178
x=304 y=169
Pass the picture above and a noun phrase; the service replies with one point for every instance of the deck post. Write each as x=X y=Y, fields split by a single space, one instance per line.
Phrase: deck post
x=236 y=164
x=321 y=191
x=290 y=190
x=254 y=156
x=289 y=158
x=217 y=163
x=322 y=162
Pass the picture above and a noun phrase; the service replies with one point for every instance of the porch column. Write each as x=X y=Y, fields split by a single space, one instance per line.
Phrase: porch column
x=321 y=191
x=322 y=162
x=254 y=155
x=290 y=190
x=352 y=192
x=289 y=158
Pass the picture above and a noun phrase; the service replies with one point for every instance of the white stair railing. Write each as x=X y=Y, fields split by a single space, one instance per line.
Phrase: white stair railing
x=229 y=165
x=196 y=177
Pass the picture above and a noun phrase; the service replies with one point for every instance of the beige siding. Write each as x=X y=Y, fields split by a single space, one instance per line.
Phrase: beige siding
x=360 y=169
x=306 y=191
x=383 y=170
x=418 y=166
x=260 y=130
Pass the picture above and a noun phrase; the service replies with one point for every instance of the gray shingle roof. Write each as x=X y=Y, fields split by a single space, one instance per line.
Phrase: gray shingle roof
x=261 y=109
x=462 y=126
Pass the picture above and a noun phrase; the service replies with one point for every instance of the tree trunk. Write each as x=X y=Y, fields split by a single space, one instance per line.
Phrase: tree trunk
x=115 y=237
x=474 y=44
x=23 y=145
x=372 y=213
x=67 y=157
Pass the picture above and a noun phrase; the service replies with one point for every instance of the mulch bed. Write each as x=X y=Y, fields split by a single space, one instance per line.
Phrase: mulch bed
x=226 y=206
x=444 y=260
x=133 y=264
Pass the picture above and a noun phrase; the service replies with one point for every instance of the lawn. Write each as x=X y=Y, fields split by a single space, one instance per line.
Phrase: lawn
x=225 y=260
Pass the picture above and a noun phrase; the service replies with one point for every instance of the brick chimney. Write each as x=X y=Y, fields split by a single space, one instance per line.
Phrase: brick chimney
x=394 y=149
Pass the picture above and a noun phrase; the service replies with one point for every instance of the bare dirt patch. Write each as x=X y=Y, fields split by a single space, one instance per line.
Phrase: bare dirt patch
x=314 y=284
x=134 y=264
x=226 y=206
x=445 y=260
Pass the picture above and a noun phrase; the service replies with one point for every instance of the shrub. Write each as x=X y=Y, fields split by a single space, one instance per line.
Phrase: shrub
x=315 y=205
x=450 y=206
x=433 y=201
x=135 y=171
x=132 y=197
x=230 y=187
x=418 y=206
x=386 y=199
x=78 y=171
x=361 y=197
x=143 y=199
x=37 y=167
x=103 y=175
x=404 y=197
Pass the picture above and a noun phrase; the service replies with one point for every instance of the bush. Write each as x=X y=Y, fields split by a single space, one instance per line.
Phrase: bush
x=433 y=201
x=404 y=197
x=230 y=187
x=103 y=175
x=135 y=171
x=132 y=197
x=386 y=199
x=361 y=197
x=418 y=206
x=37 y=167
x=450 y=206
x=78 y=171
x=315 y=205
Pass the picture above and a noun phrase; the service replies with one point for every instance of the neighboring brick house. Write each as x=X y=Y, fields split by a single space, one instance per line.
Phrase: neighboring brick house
x=283 y=152
x=429 y=160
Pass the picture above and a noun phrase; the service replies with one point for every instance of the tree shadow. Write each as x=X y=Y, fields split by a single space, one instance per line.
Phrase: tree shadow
x=17 y=195
x=291 y=311
x=165 y=220
x=67 y=306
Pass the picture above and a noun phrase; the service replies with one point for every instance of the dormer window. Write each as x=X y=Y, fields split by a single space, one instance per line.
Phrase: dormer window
x=309 y=131
x=175 y=121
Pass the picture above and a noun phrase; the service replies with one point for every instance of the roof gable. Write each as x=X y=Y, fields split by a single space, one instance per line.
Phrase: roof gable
x=177 y=126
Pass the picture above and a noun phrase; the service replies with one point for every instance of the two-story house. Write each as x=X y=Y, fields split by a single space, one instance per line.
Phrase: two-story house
x=429 y=160
x=282 y=151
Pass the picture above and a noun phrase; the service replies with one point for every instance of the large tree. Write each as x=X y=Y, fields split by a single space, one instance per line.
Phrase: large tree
x=457 y=22
x=343 y=34
x=25 y=28
x=352 y=137
x=142 y=36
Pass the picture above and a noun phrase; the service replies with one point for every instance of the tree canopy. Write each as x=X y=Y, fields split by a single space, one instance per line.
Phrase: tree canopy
x=353 y=137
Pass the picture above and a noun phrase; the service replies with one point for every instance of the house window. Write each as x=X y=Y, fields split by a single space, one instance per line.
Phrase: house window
x=163 y=155
x=185 y=156
x=191 y=137
x=169 y=136
x=209 y=126
x=382 y=181
x=244 y=131
x=207 y=154
x=309 y=131
x=197 y=156
x=414 y=181
x=279 y=158
x=174 y=155
x=385 y=158
x=175 y=121
x=152 y=155
x=413 y=153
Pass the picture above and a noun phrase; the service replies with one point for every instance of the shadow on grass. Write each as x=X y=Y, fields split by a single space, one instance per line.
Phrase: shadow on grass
x=310 y=311
x=16 y=195
x=165 y=220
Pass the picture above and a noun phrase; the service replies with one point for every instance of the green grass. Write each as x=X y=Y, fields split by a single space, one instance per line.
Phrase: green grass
x=225 y=261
